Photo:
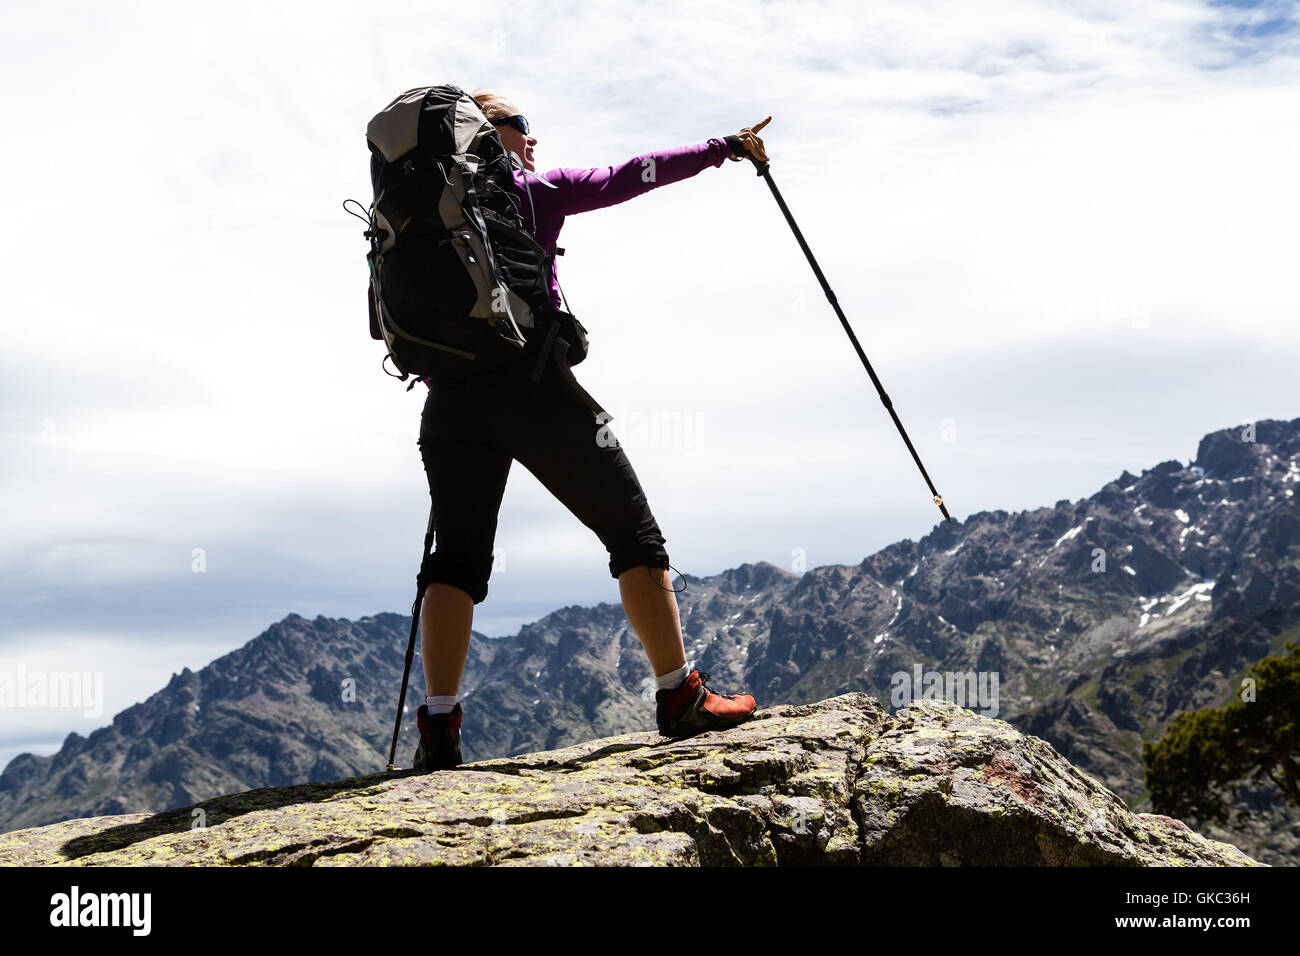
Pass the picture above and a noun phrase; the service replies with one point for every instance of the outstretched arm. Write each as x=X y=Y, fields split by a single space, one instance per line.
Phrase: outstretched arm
x=581 y=190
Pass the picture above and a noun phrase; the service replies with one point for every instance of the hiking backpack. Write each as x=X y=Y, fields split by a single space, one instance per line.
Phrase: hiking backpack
x=456 y=283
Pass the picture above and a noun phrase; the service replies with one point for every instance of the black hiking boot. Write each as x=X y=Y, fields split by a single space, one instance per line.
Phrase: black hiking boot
x=439 y=747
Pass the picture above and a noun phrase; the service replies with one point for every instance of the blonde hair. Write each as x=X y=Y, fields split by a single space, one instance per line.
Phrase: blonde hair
x=492 y=104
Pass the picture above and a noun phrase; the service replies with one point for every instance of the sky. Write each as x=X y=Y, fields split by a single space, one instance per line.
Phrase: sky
x=1063 y=232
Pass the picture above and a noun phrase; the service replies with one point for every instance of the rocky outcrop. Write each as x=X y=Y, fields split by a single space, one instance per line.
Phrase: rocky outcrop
x=838 y=782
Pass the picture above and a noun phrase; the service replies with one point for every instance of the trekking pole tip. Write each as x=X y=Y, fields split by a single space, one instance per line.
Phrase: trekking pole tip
x=938 y=500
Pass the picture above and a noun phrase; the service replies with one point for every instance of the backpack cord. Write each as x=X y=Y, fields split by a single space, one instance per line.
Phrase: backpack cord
x=364 y=219
x=376 y=237
x=674 y=590
x=532 y=210
x=563 y=298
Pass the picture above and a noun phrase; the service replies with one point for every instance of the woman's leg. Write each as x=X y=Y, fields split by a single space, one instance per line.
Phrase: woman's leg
x=596 y=482
x=467 y=479
x=446 y=618
x=651 y=609
x=467 y=482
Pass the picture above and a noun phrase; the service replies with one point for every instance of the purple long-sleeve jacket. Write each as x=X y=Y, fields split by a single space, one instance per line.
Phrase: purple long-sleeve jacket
x=546 y=199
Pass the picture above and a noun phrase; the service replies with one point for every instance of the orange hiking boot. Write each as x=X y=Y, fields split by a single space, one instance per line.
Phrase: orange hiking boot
x=691 y=708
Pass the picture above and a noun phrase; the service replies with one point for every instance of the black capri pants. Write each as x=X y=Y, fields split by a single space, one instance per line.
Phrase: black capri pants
x=472 y=430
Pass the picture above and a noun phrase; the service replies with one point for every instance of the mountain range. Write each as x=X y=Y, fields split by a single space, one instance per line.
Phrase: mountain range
x=1098 y=620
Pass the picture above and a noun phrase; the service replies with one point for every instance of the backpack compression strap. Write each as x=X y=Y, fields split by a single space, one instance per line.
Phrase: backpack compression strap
x=557 y=349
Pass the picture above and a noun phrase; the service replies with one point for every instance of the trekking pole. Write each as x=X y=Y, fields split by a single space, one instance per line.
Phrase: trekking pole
x=410 y=647
x=830 y=296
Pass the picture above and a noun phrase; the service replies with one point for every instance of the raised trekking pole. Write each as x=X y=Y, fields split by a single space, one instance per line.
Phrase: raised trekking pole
x=762 y=168
x=410 y=647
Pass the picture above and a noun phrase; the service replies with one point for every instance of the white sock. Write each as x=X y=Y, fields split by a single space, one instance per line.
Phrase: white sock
x=670 y=680
x=441 y=705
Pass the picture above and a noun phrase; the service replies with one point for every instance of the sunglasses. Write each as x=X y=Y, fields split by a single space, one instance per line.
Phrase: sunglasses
x=517 y=121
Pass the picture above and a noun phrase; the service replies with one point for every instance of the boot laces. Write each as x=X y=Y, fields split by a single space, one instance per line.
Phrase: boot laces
x=704 y=681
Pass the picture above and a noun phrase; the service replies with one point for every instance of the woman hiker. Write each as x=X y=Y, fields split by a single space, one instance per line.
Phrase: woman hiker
x=472 y=430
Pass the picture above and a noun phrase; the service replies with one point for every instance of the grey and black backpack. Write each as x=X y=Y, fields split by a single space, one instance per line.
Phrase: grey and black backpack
x=457 y=285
